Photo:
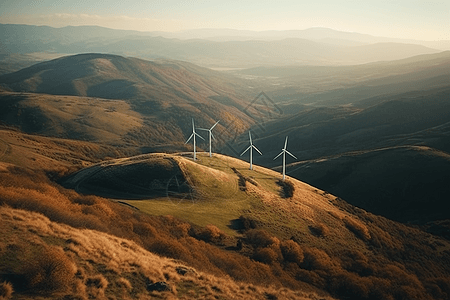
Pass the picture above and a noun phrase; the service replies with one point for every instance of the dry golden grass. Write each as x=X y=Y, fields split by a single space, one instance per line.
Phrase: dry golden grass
x=80 y=116
x=6 y=290
x=91 y=264
x=52 y=271
x=358 y=228
x=282 y=252
x=52 y=154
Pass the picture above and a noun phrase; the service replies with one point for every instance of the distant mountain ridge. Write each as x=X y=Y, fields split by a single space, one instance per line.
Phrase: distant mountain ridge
x=312 y=46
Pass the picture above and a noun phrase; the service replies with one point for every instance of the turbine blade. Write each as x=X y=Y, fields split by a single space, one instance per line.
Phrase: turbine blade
x=278 y=155
x=189 y=138
x=203 y=129
x=254 y=147
x=285 y=143
x=198 y=135
x=214 y=125
x=246 y=150
x=249 y=134
x=212 y=135
x=291 y=154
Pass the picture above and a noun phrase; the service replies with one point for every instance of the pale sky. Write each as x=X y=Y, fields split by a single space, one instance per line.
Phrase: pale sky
x=407 y=19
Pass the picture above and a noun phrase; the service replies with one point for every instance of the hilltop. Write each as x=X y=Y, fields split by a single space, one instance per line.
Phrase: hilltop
x=117 y=77
x=223 y=192
x=68 y=97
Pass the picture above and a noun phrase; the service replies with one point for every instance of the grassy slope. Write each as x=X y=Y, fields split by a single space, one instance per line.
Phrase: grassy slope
x=217 y=198
x=347 y=252
x=53 y=154
x=416 y=177
x=215 y=195
x=100 y=120
x=90 y=264
x=161 y=99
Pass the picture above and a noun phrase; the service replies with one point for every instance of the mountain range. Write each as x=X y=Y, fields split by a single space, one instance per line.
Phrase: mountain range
x=291 y=49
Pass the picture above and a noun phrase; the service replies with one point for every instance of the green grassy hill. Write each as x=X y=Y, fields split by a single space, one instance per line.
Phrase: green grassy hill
x=215 y=190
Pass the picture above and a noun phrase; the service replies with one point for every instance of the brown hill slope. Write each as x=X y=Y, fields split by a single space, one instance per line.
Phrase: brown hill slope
x=332 y=234
x=52 y=154
x=117 y=77
x=407 y=184
x=334 y=246
x=340 y=151
x=100 y=120
x=161 y=98
x=167 y=94
x=41 y=258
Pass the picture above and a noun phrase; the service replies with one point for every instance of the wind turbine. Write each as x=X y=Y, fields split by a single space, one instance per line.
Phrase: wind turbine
x=284 y=151
x=193 y=136
x=251 y=147
x=210 y=135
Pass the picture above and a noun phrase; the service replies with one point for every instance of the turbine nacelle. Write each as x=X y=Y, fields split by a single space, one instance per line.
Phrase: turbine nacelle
x=251 y=147
x=210 y=136
x=193 y=135
x=283 y=152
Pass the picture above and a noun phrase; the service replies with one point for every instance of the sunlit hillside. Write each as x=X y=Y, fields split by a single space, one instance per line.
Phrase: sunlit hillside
x=214 y=215
x=221 y=191
x=118 y=100
x=51 y=260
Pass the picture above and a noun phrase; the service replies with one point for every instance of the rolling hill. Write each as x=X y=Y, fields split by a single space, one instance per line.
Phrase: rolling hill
x=340 y=85
x=392 y=148
x=229 y=228
x=153 y=101
x=222 y=191
x=407 y=184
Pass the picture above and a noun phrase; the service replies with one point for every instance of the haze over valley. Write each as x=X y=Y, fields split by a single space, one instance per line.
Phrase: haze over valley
x=108 y=189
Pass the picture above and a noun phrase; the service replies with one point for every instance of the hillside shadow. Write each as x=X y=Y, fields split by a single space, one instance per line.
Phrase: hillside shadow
x=287 y=188
x=113 y=89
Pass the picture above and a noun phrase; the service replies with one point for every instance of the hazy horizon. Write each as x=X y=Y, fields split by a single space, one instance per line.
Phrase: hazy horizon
x=419 y=20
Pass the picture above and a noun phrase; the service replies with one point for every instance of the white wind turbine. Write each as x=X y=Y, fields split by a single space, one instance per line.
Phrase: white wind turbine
x=210 y=135
x=284 y=151
x=193 y=136
x=251 y=147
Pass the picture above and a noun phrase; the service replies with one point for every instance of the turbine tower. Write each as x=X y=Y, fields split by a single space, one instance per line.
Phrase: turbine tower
x=193 y=136
x=251 y=147
x=284 y=151
x=210 y=135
